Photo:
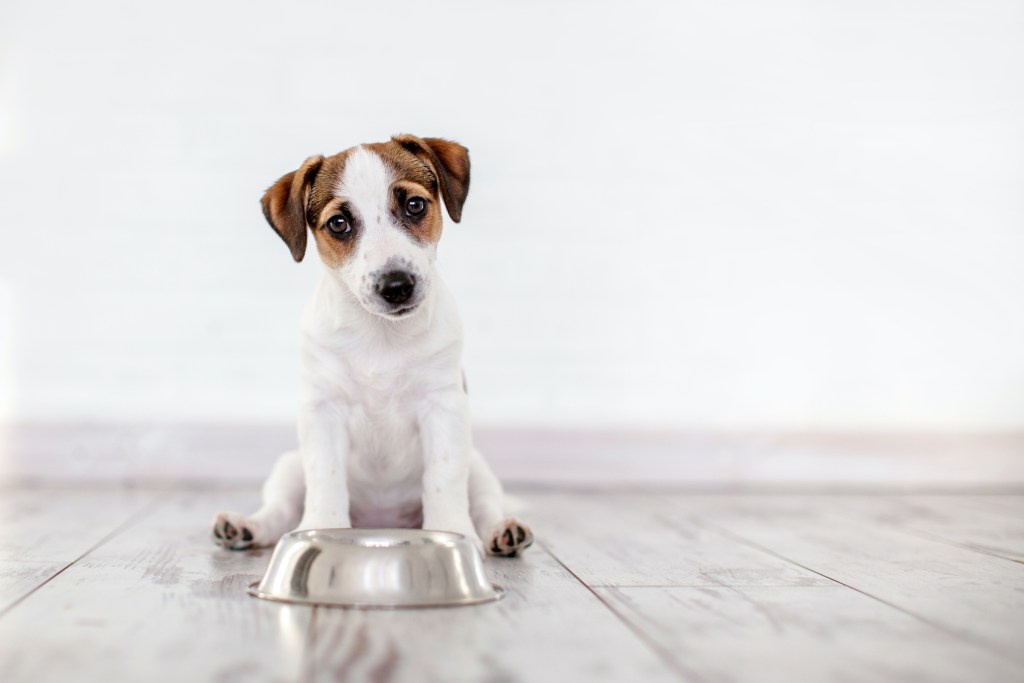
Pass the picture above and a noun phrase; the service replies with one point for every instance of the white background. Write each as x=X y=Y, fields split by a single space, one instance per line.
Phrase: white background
x=683 y=215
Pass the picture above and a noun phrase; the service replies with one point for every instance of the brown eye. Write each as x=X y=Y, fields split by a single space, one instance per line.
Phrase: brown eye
x=414 y=206
x=338 y=226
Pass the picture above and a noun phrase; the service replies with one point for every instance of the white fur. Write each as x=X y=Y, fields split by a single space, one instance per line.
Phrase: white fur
x=382 y=245
x=384 y=428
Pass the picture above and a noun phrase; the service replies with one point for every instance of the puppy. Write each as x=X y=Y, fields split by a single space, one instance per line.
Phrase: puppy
x=384 y=433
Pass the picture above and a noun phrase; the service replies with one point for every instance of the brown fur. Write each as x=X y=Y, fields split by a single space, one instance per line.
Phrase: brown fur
x=284 y=205
x=428 y=228
x=431 y=168
x=332 y=250
x=450 y=161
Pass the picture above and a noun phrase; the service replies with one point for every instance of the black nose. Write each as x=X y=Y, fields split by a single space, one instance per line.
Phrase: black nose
x=396 y=287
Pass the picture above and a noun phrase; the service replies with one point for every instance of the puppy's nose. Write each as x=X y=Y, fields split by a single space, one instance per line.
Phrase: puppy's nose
x=396 y=287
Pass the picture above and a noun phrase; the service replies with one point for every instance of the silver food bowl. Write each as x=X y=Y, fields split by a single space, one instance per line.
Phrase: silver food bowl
x=376 y=568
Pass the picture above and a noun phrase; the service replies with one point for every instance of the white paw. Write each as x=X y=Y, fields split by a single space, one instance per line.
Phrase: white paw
x=508 y=538
x=232 y=530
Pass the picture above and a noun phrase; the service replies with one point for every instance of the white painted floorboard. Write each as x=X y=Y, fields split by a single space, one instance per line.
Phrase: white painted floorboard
x=989 y=524
x=155 y=603
x=40 y=535
x=975 y=596
x=629 y=540
x=113 y=585
x=947 y=612
x=811 y=633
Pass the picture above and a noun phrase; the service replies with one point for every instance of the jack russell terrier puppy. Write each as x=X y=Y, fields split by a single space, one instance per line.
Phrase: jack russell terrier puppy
x=384 y=434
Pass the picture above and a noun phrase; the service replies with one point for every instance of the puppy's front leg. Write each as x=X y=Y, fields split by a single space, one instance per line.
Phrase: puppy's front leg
x=323 y=441
x=445 y=438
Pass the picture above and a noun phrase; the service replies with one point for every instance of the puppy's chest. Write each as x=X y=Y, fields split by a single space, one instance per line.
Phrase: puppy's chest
x=380 y=393
x=382 y=389
x=382 y=402
x=385 y=460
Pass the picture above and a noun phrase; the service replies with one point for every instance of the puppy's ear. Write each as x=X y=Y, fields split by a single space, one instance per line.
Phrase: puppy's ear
x=284 y=205
x=450 y=161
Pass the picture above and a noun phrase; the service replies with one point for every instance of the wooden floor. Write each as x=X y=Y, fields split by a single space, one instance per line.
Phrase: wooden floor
x=107 y=584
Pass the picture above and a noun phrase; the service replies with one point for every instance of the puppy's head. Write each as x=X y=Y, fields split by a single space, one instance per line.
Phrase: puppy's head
x=375 y=214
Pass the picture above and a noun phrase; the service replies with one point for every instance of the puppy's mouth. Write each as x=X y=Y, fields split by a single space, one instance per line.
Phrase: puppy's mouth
x=396 y=313
x=404 y=310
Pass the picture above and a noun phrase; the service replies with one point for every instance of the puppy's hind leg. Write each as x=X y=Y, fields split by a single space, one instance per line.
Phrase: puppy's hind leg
x=280 y=513
x=502 y=536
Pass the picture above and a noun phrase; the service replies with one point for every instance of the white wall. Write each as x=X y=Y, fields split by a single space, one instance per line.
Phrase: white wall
x=684 y=215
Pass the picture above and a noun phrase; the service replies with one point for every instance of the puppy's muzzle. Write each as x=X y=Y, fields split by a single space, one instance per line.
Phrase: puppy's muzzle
x=396 y=287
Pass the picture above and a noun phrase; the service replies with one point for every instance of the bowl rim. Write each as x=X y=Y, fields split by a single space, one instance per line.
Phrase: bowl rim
x=255 y=592
x=448 y=537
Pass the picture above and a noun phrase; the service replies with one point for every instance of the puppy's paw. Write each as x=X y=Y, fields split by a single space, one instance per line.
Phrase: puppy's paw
x=510 y=537
x=231 y=530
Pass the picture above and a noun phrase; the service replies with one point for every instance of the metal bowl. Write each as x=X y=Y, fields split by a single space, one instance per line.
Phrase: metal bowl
x=376 y=568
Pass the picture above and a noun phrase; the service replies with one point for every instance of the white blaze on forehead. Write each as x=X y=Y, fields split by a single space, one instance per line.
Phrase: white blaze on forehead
x=383 y=243
x=365 y=183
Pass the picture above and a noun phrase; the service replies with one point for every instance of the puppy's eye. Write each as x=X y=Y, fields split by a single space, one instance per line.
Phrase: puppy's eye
x=338 y=226
x=414 y=206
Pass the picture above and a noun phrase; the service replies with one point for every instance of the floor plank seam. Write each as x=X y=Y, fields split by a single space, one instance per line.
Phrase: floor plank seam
x=661 y=652
x=134 y=518
x=926 y=536
x=959 y=635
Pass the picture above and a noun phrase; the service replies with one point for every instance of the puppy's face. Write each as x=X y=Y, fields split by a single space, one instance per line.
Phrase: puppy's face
x=375 y=214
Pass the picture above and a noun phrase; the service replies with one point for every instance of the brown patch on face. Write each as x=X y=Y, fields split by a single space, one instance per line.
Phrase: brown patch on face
x=335 y=249
x=450 y=163
x=425 y=227
x=429 y=168
x=414 y=177
x=323 y=204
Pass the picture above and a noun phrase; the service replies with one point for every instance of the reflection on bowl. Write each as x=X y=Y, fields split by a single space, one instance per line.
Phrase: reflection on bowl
x=376 y=568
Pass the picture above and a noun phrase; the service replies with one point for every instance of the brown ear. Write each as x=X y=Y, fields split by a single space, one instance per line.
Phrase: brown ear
x=450 y=161
x=284 y=205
